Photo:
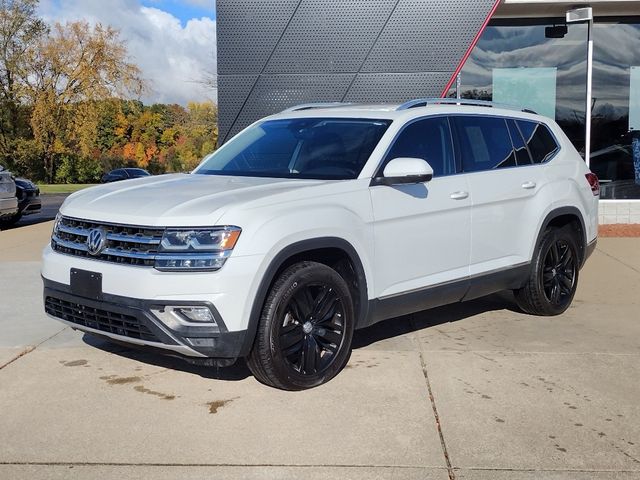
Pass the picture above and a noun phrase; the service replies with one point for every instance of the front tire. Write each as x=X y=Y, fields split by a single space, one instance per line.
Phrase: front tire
x=554 y=274
x=305 y=330
x=9 y=221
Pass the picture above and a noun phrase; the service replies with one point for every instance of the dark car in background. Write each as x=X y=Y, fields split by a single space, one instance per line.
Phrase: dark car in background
x=28 y=199
x=123 y=174
x=28 y=195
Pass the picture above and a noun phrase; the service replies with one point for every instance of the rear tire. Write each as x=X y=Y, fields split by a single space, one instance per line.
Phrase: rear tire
x=305 y=329
x=553 y=279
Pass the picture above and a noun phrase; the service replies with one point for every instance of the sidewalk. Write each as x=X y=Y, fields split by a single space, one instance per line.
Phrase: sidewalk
x=470 y=391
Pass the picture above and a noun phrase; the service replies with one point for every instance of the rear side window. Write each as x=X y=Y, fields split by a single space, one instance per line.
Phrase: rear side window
x=485 y=143
x=522 y=152
x=429 y=139
x=541 y=143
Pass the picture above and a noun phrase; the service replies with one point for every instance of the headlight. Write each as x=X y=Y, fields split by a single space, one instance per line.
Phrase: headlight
x=190 y=249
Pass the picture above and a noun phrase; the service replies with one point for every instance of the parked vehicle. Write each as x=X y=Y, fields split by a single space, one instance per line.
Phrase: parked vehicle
x=29 y=202
x=323 y=219
x=123 y=174
x=8 y=200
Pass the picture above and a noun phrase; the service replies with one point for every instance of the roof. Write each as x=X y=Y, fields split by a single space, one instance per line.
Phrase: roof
x=412 y=108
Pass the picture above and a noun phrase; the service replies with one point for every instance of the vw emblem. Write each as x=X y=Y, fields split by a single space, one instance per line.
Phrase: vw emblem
x=96 y=241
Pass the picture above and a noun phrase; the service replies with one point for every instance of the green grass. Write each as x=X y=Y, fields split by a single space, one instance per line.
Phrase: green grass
x=64 y=188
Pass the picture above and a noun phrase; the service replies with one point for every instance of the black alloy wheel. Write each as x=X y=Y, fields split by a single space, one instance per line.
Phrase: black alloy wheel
x=559 y=273
x=305 y=330
x=312 y=330
x=553 y=278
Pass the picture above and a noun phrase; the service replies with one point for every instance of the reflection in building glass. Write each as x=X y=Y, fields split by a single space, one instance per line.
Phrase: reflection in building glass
x=532 y=88
x=634 y=119
x=514 y=45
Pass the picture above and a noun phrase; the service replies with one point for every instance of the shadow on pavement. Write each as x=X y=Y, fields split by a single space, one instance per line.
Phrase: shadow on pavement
x=387 y=329
x=430 y=318
x=238 y=371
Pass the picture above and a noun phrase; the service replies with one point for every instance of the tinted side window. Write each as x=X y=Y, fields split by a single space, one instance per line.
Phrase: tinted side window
x=522 y=153
x=429 y=139
x=539 y=139
x=485 y=143
x=120 y=173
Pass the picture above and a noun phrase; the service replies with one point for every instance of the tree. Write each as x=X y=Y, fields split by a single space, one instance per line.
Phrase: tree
x=20 y=30
x=75 y=64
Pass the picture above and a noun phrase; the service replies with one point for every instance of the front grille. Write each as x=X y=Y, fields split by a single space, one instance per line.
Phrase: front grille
x=99 y=319
x=125 y=244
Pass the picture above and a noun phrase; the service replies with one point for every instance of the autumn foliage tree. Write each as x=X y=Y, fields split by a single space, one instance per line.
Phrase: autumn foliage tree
x=67 y=104
x=74 y=65
x=20 y=30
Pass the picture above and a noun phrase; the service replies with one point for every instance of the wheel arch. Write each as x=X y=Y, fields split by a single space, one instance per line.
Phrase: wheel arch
x=323 y=250
x=561 y=217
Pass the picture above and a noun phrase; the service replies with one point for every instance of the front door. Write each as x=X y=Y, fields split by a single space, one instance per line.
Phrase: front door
x=422 y=231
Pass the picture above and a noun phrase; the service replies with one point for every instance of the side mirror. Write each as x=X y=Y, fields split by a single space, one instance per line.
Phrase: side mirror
x=402 y=171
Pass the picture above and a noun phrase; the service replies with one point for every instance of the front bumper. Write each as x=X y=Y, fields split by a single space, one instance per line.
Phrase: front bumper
x=131 y=321
x=30 y=203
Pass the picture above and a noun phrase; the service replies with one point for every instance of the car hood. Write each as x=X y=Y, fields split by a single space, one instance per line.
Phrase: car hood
x=174 y=200
x=25 y=183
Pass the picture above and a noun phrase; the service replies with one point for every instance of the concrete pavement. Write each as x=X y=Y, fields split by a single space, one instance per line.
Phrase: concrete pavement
x=471 y=391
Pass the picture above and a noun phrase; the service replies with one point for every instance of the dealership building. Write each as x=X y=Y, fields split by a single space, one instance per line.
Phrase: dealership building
x=544 y=55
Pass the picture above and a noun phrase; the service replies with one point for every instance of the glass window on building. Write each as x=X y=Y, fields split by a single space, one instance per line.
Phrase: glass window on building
x=518 y=62
x=615 y=134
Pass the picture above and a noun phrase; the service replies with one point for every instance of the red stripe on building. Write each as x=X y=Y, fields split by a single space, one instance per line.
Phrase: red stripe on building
x=470 y=49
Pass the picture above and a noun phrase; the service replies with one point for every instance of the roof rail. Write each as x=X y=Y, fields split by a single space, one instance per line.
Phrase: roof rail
x=311 y=106
x=423 y=102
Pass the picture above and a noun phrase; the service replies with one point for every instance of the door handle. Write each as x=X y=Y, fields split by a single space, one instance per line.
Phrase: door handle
x=459 y=195
x=529 y=185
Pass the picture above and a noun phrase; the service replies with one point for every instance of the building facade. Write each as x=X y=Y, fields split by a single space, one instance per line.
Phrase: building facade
x=276 y=53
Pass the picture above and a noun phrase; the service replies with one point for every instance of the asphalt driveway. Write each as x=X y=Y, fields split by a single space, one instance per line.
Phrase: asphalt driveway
x=471 y=391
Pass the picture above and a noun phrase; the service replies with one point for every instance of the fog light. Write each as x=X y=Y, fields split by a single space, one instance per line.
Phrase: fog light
x=174 y=316
x=196 y=314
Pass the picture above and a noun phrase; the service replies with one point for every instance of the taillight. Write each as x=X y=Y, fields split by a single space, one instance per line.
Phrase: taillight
x=594 y=183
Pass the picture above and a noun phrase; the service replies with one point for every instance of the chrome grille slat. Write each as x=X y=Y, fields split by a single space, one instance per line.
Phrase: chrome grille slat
x=134 y=239
x=68 y=244
x=126 y=244
x=80 y=232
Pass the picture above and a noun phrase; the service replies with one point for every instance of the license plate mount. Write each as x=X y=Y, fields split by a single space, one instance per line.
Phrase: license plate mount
x=86 y=284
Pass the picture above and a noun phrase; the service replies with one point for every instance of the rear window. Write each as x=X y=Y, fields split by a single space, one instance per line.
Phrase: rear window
x=485 y=143
x=540 y=141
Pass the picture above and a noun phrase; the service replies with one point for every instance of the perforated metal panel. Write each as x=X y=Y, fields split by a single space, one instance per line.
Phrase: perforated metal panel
x=248 y=31
x=274 y=93
x=427 y=36
x=395 y=87
x=233 y=91
x=333 y=36
x=276 y=53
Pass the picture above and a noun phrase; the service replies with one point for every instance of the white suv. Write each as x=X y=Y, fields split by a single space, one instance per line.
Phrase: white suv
x=321 y=220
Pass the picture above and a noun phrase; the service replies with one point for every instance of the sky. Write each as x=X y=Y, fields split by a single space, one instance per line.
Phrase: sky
x=173 y=42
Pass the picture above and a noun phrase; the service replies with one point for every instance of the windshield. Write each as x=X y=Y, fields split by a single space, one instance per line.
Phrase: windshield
x=137 y=171
x=310 y=148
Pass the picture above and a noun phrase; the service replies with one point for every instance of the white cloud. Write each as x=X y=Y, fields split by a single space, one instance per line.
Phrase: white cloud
x=173 y=58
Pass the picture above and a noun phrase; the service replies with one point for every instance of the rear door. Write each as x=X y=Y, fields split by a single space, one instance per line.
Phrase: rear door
x=505 y=186
x=422 y=231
